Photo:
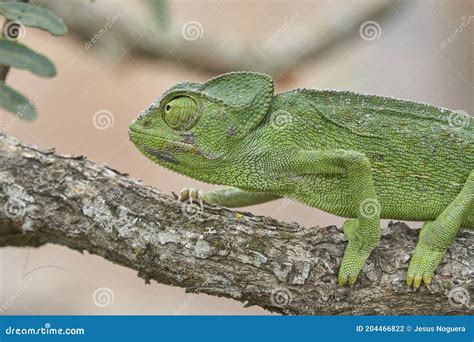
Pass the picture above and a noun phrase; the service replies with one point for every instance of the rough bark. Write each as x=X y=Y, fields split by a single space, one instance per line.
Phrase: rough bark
x=47 y=198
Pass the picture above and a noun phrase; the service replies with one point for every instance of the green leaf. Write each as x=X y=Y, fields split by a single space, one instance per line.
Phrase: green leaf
x=19 y=56
x=16 y=103
x=33 y=16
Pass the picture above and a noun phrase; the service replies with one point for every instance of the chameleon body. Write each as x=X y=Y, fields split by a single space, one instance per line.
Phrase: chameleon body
x=357 y=156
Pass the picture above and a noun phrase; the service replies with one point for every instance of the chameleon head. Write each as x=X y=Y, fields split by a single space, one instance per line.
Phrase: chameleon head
x=195 y=126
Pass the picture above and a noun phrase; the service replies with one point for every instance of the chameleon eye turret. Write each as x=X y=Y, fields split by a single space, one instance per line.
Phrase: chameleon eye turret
x=181 y=113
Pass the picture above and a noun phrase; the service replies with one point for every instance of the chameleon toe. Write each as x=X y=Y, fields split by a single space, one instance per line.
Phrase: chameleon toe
x=342 y=280
x=189 y=194
x=183 y=195
x=427 y=278
x=352 y=263
x=409 y=280
x=422 y=265
x=416 y=282
x=352 y=279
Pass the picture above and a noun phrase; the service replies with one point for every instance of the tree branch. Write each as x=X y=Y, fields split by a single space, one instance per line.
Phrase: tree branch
x=47 y=198
x=274 y=56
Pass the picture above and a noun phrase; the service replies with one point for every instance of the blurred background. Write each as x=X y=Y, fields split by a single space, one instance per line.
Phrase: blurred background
x=120 y=55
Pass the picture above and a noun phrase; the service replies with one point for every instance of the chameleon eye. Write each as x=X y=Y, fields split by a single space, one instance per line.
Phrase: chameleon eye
x=181 y=113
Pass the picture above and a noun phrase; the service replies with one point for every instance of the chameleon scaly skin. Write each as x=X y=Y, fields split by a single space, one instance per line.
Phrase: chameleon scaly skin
x=357 y=156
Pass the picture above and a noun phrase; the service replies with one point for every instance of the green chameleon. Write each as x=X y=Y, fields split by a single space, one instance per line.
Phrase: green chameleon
x=357 y=156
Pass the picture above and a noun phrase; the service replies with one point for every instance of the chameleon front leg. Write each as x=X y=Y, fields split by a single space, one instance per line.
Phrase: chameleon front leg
x=228 y=197
x=364 y=233
x=438 y=235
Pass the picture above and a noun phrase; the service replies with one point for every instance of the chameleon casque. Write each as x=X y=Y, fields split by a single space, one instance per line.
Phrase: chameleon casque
x=357 y=156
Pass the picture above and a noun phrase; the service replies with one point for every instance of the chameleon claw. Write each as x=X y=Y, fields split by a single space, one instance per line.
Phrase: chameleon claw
x=416 y=282
x=188 y=194
x=427 y=279
x=409 y=280
x=342 y=281
x=347 y=280
x=193 y=193
x=183 y=195
x=352 y=263
x=422 y=265
x=352 y=279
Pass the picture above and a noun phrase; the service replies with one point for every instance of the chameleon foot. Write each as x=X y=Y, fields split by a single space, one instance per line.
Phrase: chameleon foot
x=422 y=265
x=353 y=261
x=190 y=194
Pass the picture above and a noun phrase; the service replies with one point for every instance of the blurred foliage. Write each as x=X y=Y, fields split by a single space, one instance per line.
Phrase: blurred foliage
x=14 y=102
x=19 y=56
x=160 y=11
x=16 y=55
x=30 y=15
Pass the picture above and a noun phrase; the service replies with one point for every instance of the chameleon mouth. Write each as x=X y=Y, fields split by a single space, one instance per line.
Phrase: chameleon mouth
x=161 y=154
x=166 y=149
x=134 y=133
